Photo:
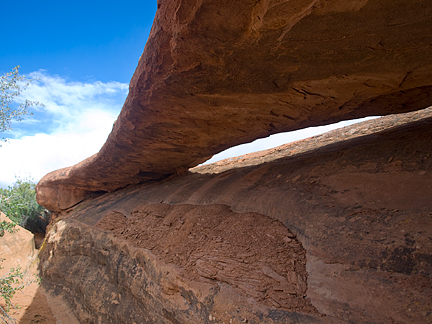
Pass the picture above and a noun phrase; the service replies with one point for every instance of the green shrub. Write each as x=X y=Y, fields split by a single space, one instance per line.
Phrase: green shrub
x=19 y=203
x=8 y=285
x=7 y=226
x=11 y=282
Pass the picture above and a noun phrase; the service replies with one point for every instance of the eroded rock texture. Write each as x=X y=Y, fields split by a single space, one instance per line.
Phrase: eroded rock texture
x=253 y=254
x=340 y=232
x=219 y=73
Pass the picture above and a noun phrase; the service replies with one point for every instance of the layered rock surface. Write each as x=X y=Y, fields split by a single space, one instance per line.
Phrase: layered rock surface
x=215 y=74
x=331 y=231
x=338 y=232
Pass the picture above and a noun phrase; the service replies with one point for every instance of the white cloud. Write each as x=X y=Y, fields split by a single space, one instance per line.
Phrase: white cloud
x=70 y=101
x=73 y=125
x=280 y=139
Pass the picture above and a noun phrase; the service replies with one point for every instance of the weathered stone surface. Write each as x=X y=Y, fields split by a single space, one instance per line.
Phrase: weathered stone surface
x=107 y=280
x=359 y=209
x=215 y=74
x=16 y=249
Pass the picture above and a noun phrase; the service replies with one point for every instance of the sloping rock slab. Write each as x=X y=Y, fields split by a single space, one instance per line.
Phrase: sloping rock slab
x=18 y=249
x=216 y=74
x=110 y=280
x=339 y=234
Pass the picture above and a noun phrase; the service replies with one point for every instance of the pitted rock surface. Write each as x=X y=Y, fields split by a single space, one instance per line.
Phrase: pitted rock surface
x=216 y=74
x=256 y=255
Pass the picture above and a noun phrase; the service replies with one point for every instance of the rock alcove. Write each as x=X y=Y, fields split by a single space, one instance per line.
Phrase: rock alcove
x=340 y=224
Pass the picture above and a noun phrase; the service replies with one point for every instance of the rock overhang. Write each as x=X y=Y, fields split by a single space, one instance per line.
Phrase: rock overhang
x=355 y=201
x=213 y=76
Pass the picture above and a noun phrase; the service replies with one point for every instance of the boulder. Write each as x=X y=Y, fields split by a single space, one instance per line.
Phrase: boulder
x=18 y=249
x=216 y=74
x=332 y=229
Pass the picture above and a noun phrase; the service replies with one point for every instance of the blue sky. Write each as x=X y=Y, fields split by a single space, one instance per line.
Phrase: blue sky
x=84 y=55
x=78 y=40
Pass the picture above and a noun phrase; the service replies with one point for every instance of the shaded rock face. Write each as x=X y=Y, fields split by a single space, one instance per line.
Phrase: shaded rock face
x=255 y=255
x=107 y=280
x=215 y=74
x=339 y=233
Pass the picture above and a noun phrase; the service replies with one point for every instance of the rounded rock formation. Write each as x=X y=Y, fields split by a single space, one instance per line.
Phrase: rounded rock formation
x=213 y=76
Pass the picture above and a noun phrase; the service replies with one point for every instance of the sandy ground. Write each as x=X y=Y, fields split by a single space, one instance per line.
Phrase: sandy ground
x=35 y=305
x=31 y=303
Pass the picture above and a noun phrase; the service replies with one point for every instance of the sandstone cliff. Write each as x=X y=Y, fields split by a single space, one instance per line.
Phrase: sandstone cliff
x=215 y=74
x=337 y=232
x=333 y=229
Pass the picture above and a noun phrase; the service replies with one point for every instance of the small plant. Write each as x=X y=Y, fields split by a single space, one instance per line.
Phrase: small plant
x=18 y=202
x=8 y=227
x=10 y=282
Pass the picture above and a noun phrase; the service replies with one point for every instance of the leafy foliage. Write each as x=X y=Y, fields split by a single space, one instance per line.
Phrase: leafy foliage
x=19 y=203
x=8 y=227
x=12 y=85
x=10 y=282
